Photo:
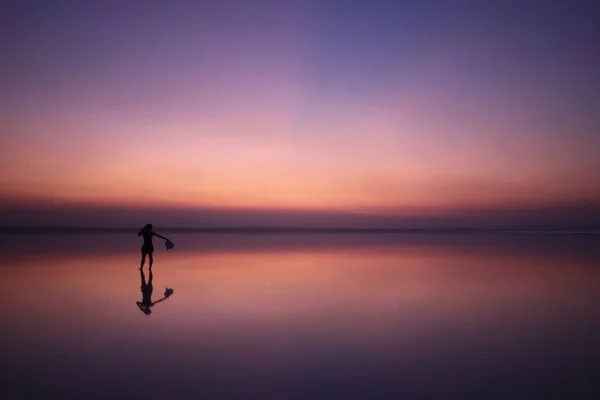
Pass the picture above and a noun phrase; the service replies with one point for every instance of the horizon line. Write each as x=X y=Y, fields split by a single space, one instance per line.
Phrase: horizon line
x=288 y=229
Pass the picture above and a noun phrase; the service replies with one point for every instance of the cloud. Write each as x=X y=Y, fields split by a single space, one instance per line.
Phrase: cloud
x=58 y=213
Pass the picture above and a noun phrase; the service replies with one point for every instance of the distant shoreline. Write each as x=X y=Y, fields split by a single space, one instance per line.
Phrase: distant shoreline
x=287 y=230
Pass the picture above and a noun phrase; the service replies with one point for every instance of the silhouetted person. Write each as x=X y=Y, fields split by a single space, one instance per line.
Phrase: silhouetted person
x=148 y=247
x=147 y=290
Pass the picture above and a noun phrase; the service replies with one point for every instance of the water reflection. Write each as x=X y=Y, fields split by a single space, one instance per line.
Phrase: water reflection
x=147 y=289
x=303 y=317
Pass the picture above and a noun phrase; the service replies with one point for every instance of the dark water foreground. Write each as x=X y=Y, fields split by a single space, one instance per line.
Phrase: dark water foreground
x=498 y=316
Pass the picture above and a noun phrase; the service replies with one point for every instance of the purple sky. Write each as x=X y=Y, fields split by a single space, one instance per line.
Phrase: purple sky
x=366 y=112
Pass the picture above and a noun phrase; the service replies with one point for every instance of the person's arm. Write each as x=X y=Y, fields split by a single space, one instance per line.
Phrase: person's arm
x=159 y=300
x=140 y=232
x=162 y=237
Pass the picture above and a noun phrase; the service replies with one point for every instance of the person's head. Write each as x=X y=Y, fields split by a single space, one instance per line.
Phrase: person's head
x=144 y=308
x=148 y=227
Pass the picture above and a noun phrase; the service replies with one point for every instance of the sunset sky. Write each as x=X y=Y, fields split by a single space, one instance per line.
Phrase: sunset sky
x=390 y=109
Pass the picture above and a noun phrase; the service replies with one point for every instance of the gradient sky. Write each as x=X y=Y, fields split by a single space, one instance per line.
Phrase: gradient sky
x=408 y=108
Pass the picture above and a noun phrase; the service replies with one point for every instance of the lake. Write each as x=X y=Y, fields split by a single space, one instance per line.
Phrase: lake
x=302 y=316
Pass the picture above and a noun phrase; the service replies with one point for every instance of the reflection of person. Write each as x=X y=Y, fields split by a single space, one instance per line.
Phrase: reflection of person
x=147 y=290
x=148 y=247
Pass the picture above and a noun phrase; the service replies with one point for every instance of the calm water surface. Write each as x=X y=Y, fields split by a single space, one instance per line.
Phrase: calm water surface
x=302 y=316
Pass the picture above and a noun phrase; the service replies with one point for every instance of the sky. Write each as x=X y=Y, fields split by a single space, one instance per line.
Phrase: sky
x=298 y=112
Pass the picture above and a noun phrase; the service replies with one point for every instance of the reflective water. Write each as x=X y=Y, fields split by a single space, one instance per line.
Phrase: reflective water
x=302 y=316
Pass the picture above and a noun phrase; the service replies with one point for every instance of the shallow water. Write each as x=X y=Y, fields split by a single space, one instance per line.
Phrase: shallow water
x=302 y=316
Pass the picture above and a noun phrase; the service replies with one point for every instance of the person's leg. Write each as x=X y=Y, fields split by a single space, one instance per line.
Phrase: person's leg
x=143 y=278
x=143 y=259
x=151 y=259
